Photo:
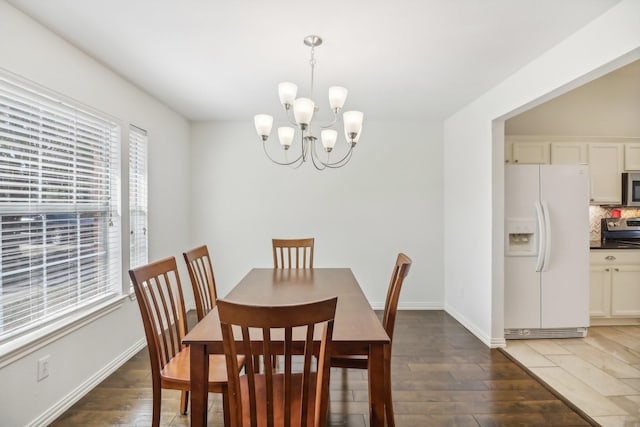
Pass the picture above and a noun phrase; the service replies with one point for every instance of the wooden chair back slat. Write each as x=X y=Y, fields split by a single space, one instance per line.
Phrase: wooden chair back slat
x=283 y=329
x=293 y=253
x=159 y=295
x=400 y=271
x=202 y=279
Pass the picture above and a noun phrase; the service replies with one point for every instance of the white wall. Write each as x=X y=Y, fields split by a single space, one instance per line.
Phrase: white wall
x=386 y=200
x=608 y=106
x=30 y=51
x=474 y=169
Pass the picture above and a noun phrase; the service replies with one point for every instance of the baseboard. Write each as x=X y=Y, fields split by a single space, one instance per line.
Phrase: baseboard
x=616 y=321
x=474 y=329
x=420 y=305
x=51 y=414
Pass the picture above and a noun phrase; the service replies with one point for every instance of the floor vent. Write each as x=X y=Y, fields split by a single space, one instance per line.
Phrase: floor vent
x=524 y=334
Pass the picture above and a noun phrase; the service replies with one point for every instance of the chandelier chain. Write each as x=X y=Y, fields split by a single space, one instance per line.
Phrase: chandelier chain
x=312 y=62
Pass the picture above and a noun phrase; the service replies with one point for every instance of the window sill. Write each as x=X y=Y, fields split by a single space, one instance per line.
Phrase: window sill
x=23 y=345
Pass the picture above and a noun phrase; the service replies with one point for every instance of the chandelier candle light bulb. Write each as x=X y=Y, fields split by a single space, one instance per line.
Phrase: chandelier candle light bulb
x=287 y=92
x=263 y=123
x=329 y=138
x=303 y=110
x=337 y=97
x=285 y=135
x=352 y=124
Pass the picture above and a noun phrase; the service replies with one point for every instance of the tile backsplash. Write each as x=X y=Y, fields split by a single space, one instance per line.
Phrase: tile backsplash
x=596 y=213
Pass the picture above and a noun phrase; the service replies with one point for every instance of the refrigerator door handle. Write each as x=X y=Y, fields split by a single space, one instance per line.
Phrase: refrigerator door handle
x=541 y=237
x=547 y=237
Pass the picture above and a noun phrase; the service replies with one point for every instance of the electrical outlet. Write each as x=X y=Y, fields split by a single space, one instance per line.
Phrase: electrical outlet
x=43 y=367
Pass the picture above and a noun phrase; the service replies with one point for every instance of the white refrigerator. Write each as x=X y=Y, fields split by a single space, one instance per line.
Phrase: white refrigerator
x=546 y=251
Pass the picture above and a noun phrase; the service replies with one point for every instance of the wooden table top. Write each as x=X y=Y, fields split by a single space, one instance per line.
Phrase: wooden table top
x=355 y=327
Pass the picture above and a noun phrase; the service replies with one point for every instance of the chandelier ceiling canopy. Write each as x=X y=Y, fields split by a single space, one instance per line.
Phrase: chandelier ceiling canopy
x=299 y=112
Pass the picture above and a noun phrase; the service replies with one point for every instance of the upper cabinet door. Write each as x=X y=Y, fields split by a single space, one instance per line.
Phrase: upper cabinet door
x=568 y=153
x=632 y=156
x=605 y=168
x=531 y=153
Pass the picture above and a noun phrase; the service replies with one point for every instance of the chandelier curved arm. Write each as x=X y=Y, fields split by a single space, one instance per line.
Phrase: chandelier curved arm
x=333 y=122
x=340 y=163
x=291 y=118
x=319 y=164
x=299 y=159
x=333 y=165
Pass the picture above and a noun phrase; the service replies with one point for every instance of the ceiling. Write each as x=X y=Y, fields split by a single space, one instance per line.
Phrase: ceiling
x=406 y=59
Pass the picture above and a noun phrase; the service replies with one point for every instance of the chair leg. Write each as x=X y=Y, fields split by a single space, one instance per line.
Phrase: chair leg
x=184 y=402
x=226 y=409
x=388 y=398
x=157 y=399
x=388 y=405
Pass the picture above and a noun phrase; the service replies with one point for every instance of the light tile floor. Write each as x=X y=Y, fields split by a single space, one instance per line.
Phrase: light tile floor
x=600 y=374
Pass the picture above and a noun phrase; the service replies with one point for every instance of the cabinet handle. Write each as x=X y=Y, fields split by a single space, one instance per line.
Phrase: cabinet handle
x=607 y=269
x=610 y=258
x=616 y=269
x=516 y=161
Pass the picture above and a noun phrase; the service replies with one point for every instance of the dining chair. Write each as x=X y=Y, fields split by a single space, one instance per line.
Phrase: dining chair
x=400 y=271
x=293 y=253
x=202 y=280
x=291 y=398
x=160 y=298
x=290 y=252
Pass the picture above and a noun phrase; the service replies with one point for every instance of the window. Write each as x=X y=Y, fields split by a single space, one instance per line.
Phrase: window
x=59 y=208
x=138 y=241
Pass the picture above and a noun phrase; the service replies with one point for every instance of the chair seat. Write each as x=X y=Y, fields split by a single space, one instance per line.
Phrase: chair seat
x=350 y=361
x=177 y=371
x=278 y=389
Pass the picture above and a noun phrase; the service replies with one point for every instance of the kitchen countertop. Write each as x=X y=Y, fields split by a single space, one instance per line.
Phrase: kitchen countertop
x=612 y=244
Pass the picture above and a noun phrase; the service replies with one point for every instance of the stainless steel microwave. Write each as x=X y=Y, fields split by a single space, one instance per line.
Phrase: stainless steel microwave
x=631 y=189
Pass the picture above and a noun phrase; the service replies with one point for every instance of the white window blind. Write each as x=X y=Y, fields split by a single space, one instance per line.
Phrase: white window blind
x=138 y=240
x=59 y=208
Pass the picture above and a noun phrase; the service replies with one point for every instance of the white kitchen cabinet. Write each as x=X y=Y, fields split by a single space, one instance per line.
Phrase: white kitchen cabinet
x=605 y=166
x=625 y=290
x=615 y=284
x=600 y=292
x=568 y=153
x=632 y=156
x=607 y=159
x=531 y=152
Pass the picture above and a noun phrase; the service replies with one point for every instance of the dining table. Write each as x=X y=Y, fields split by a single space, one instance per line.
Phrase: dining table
x=357 y=330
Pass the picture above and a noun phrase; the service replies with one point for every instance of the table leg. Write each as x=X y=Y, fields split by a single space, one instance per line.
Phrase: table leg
x=199 y=366
x=376 y=385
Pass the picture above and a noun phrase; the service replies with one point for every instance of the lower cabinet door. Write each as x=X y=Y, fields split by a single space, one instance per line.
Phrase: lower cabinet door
x=600 y=295
x=625 y=291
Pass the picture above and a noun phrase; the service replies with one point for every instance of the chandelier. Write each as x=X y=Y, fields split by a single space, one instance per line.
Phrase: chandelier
x=299 y=112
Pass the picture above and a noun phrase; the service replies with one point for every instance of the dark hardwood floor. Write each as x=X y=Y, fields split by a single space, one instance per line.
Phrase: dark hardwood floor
x=441 y=374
